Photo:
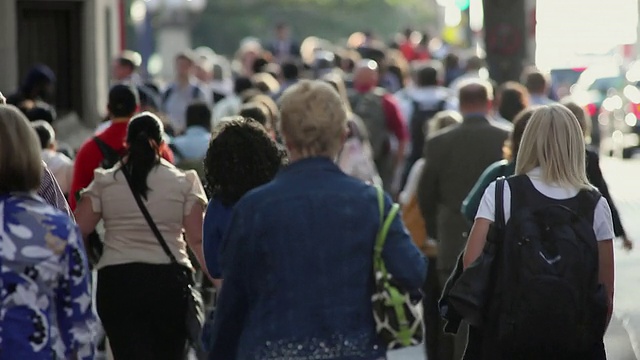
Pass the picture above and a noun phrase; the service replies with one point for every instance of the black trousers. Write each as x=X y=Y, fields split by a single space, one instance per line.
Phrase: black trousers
x=142 y=308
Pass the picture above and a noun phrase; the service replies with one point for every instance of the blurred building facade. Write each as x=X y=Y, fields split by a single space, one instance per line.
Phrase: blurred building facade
x=76 y=38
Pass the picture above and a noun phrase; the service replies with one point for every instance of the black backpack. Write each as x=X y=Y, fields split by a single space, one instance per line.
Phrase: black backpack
x=548 y=297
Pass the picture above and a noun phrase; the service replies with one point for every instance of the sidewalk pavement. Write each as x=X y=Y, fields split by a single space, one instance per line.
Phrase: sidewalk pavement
x=617 y=343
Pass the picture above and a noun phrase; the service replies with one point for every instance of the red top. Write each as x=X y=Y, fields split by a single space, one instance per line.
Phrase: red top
x=89 y=157
x=395 y=121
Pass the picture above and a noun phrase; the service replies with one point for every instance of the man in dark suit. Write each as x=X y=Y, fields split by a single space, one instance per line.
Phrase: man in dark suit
x=455 y=159
x=284 y=48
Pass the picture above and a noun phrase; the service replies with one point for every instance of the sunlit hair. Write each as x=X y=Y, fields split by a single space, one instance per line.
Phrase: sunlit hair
x=313 y=119
x=338 y=84
x=553 y=141
x=20 y=162
x=442 y=120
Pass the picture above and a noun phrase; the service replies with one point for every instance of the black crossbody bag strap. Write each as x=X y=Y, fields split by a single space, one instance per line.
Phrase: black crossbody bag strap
x=147 y=217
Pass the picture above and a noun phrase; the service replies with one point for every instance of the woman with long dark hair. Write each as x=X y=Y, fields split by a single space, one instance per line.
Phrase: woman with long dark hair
x=141 y=290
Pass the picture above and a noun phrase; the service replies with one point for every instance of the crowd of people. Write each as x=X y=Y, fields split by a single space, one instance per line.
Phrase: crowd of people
x=259 y=175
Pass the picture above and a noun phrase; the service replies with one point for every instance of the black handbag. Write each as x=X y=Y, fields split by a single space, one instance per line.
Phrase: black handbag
x=470 y=294
x=194 y=317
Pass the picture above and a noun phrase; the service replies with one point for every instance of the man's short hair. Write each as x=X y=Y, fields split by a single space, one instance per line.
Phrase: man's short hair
x=475 y=92
x=256 y=111
x=290 y=70
x=130 y=59
x=535 y=82
x=427 y=75
x=199 y=114
x=45 y=132
x=242 y=84
x=187 y=55
x=123 y=100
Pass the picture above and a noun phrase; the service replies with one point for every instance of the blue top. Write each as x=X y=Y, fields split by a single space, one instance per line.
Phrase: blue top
x=193 y=144
x=46 y=298
x=471 y=204
x=216 y=221
x=297 y=260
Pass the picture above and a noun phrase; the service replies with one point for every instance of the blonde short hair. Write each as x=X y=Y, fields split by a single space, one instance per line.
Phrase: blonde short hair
x=20 y=159
x=313 y=119
x=443 y=119
x=553 y=141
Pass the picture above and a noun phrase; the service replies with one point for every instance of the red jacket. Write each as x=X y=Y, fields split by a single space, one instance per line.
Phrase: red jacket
x=89 y=157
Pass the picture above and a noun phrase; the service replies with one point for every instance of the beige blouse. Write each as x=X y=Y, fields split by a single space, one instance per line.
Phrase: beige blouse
x=128 y=238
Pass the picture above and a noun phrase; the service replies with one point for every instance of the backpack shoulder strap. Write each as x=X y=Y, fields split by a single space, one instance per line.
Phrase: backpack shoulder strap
x=106 y=150
x=195 y=92
x=175 y=150
x=166 y=94
x=588 y=200
x=499 y=203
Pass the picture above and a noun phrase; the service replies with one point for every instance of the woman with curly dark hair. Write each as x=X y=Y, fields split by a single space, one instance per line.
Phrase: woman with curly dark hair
x=241 y=156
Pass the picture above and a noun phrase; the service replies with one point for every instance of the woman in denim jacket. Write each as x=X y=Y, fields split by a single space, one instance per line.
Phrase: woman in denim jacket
x=297 y=256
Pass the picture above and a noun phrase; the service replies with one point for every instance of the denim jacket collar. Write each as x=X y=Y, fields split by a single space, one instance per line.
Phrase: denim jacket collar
x=311 y=163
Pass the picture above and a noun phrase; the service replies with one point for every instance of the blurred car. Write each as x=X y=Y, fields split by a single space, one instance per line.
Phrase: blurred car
x=619 y=116
x=562 y=79
x=595 y=84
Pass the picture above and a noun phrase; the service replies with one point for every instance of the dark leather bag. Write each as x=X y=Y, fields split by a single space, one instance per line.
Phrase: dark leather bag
x=470 y=294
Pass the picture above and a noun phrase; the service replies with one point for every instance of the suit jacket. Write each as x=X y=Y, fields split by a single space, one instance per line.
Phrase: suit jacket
x=455 y=159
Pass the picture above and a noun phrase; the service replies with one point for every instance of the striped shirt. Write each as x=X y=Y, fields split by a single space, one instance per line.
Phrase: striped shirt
x=50 y=191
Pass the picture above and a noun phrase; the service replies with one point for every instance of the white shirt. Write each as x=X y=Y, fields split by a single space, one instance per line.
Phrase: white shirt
x=61 y=167
x=602 y=223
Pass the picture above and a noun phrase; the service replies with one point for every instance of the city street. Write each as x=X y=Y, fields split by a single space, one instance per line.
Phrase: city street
x=623 y=337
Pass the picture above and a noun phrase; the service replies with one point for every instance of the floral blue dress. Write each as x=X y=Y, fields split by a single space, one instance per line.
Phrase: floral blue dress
x=44 y=282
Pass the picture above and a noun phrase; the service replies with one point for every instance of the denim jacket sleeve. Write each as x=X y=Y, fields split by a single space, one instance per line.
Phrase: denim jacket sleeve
x=401 y=257
x=232 y=302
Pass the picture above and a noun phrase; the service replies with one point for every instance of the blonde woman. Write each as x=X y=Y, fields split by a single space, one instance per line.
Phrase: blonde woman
x=297 y=256
x=550 y=170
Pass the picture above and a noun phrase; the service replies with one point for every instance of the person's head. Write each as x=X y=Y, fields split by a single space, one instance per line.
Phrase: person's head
x=536 y=82
x=451 y=61
x=475 y=96
x=512 y=145
x=266 y=83
x=38 y=112
x=553 y=141
x=241 y=157
x=38 y=83
x=242 y=84
x=338 y=84
x=282 y=31
x=474 y=63
x=366 y=73
x=20 y=162
x=273 y=114
x=442 y=120
x=255 y=111
x=125 y=65
x=123 y=101
x=184 y=65
x=45 y=133
x=199 y=114
x=290 y=71
x=428 y=75
x=204 y=70
x=581 y=115
x=144 y=138
x=512 y=99
x=313 y=120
